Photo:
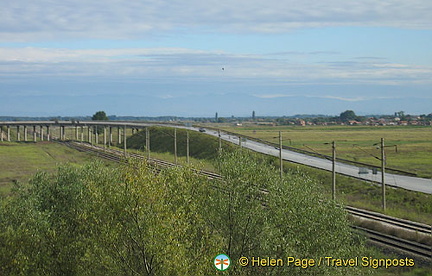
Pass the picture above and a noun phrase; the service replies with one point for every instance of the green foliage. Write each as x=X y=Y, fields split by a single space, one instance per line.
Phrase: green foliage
x=278 y=218
x=97 y=220
x=100 y=116
x=347 y=116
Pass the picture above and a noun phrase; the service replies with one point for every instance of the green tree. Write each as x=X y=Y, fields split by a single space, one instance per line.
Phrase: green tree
x=262 y=215
x=99 y=116
x=347 y=115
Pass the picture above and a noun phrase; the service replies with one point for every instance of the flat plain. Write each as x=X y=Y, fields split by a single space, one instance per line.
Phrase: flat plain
x=407 y=148
x=19 y=161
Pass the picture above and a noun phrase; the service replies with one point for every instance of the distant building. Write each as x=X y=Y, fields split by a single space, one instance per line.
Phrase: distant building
x=301 y=122
x=354 y=123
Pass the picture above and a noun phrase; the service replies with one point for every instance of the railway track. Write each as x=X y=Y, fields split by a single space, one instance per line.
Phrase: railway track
x=118 y=156
x=415 y=248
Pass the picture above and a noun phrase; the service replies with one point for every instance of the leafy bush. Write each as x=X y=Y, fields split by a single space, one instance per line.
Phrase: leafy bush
x=128 y=220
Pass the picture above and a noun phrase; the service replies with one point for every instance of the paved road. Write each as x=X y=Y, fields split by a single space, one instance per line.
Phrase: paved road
x=410 y=183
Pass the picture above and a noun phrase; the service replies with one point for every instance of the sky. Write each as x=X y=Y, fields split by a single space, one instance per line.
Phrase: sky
x=194 y=58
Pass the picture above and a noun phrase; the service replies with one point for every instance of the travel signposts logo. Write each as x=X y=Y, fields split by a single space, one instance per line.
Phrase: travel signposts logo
x=222 y=262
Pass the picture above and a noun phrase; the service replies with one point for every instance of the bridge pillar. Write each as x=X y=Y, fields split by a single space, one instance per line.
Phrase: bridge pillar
x=18 y=134
x=110 y=137
x=41 y=133
x=76 y=132
x=82 y=134
x=89 y=134
x=25 y=133
x=104 y=138
x=64 y=133
x=96 y=135
x=34 y=134
x=8 y=133
x=41 y=130
x=119 y=135
x=48 y=133
x=1 y=134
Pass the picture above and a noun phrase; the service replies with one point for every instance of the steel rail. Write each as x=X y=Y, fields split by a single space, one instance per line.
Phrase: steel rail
x=395 y=242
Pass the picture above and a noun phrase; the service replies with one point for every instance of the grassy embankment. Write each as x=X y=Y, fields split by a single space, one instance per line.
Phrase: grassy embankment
x=202 y=148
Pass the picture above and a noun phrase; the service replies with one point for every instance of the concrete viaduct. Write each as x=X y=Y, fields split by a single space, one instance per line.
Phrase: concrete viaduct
x=84 y=131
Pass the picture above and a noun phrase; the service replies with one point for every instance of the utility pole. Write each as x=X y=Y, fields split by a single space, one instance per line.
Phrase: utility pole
x=187 y=147
x=280 y=155
x=333 y=170
x=125 y=141
x=175 y=146
x=148 y=142
x=383 y=175
x=105 y=137
x=220 y=141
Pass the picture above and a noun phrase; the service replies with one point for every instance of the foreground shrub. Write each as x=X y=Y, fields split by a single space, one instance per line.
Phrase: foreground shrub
x=127 y=220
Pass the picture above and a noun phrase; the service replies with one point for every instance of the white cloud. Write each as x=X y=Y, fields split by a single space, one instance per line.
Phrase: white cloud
x=23 y=20
x=345 y=99
x=191 y=64
x=272 y=96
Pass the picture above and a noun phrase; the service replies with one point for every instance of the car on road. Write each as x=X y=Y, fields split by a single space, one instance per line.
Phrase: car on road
x=201 y=129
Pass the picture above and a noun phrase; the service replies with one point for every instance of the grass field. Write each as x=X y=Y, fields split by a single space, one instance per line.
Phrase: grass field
x=407 y=148
x=19 y=161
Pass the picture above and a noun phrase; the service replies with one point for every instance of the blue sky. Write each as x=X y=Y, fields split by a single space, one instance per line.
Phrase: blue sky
x=153 y=58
